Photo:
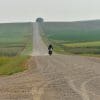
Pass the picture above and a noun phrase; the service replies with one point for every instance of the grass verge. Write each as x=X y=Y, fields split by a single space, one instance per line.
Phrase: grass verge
x=11 y=65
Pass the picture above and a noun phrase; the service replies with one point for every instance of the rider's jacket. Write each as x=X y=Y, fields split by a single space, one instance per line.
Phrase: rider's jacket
x=50 y=48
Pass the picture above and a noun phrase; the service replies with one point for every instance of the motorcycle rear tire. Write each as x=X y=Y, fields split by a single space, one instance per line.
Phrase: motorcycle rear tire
x=50 y=53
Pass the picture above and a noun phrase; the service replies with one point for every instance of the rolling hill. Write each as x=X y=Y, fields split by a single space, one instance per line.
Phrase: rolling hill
x=61 y=33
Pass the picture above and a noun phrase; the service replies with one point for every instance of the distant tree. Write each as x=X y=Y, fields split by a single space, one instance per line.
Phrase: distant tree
x=40 y=20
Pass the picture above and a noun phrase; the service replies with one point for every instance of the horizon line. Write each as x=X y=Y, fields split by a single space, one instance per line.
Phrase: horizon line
x=29 y=21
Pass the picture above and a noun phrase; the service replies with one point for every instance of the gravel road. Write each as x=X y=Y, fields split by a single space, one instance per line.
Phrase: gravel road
x=68 y=77
x=56 y=77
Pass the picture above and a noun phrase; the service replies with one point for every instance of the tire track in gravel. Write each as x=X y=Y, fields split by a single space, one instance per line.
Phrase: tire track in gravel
x=52 y=70
x=83 y=88
x=53 y=74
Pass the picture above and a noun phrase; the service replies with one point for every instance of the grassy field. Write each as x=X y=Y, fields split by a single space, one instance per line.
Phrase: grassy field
x=14 y=38
x=74 y=37
x=15 y=45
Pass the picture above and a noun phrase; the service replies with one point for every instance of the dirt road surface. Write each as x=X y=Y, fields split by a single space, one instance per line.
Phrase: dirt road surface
x=56 y=77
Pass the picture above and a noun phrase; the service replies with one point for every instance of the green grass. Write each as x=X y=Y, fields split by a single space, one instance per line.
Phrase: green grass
x=72 y=31
x=73 y=37
x=15 y=46
x=84 y=44
x=11 y=65
x=14 y=38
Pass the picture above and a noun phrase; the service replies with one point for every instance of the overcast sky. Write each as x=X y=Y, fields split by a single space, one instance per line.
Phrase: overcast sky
x=50 y=10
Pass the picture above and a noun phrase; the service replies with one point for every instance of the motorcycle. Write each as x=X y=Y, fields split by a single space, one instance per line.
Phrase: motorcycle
x=50 y=52
x=50 y=49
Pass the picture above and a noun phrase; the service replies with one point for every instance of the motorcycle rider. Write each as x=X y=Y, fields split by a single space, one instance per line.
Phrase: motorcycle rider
x=50 y=48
